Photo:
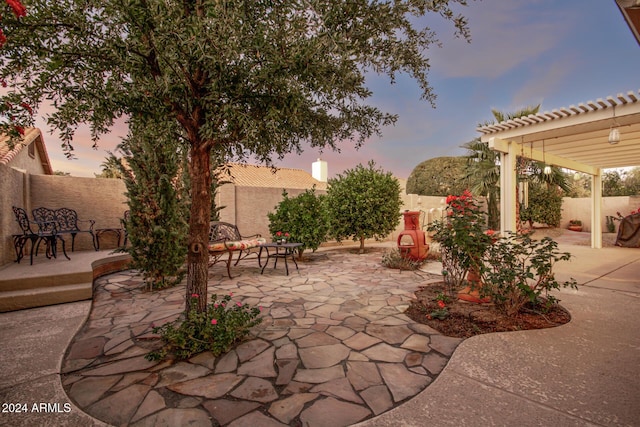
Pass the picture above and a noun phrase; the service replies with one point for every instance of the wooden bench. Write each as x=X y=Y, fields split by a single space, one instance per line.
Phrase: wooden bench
x=67 y=222
x=226 y=238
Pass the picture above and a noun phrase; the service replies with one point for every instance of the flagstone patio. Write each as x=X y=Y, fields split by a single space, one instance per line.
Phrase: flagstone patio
x=334 y=348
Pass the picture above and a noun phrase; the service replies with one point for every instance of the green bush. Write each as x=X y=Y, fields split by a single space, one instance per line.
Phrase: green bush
x=303 y=217
x=217 y=329
x=545 y=206
x=518 y=270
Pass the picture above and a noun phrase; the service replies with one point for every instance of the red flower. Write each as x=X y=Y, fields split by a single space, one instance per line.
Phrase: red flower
x=27 y=107
x=490 y=232
x=19 y=129
x=441 y=304
x=18 y=9
x=3 y=40
x=279 y=233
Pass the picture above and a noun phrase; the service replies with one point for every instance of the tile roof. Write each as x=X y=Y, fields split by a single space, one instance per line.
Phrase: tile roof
x=263 y=176
x=30 y=135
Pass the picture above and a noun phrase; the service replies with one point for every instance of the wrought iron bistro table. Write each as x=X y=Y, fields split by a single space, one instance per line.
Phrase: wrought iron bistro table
x=282 y=250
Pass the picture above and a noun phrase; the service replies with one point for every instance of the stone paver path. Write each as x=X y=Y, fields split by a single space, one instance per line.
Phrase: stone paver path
x=334 y=348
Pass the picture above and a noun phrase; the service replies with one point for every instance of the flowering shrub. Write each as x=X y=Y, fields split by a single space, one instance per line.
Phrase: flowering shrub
x=518 y=270
x=441 y=312
x=462 y=239
x=216 y=329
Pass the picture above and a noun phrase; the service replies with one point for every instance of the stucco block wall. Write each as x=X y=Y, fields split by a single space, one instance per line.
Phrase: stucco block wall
x=247 y=207
x=580 y=208
x=100 y=199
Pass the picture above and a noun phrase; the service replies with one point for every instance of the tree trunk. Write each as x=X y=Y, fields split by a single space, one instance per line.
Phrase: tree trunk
x=198 y=255
x=361 y=251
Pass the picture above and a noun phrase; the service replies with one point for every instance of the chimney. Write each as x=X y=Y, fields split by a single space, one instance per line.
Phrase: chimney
x=319 y=170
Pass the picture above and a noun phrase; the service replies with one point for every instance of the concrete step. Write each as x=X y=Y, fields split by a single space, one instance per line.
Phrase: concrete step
x=49 y=282
x=43 y=296
x=8 y=284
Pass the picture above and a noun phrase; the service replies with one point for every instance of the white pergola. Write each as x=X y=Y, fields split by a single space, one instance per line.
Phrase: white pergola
x=575 y=138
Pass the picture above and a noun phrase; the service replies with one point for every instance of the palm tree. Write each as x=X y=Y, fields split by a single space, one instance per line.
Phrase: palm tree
x=483 y=165
x=111 y=168
x=483 y=175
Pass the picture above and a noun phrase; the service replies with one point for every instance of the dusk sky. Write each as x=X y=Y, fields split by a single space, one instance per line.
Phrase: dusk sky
x=522 y=53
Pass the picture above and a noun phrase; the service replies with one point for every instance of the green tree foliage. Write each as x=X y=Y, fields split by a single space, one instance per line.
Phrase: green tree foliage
x=545 y=205
x=111 y=168
x=580 y=186
x=440 y=176
x=612 y=184
x=157 y=225
x=621 y=183
x=240 y=78
x=363 y=203
x=304 y=217
x=632 y=181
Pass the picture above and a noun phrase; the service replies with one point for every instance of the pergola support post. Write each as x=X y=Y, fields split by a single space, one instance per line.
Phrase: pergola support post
x=508 y=183
x=596 y=210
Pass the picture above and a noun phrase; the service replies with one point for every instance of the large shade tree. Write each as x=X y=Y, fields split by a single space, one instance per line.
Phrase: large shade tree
x=439 y=176
x=256 y=78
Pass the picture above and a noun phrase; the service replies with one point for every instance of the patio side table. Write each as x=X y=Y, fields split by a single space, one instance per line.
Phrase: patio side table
x=117 y=232
x=282 y=250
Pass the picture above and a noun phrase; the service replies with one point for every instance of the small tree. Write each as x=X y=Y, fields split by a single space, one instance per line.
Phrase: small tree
x=363 y=203
x=157 y=225
x=303 y=217
x=545 y=205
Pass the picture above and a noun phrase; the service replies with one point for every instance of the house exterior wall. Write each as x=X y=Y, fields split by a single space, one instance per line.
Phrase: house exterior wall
x=25 y=161
x=12 y=193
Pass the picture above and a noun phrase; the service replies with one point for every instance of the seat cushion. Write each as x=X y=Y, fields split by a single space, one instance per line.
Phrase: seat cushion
x=236 y=245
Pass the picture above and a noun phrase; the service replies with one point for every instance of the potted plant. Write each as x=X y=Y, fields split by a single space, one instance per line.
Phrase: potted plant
x=575 y=225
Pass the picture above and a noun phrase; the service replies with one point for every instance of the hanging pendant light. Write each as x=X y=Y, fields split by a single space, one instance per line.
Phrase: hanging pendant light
x=547 y=168
x=614 y=132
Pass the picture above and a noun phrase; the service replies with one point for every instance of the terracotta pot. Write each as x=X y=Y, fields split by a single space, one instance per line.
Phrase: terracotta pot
x=472 y=292
x=575 y=227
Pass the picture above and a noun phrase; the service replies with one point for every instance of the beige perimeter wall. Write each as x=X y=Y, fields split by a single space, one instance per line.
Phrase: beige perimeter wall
x=104 y=201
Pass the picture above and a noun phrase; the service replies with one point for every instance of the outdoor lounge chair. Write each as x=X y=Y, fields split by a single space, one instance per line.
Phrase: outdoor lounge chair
x=226 y=238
